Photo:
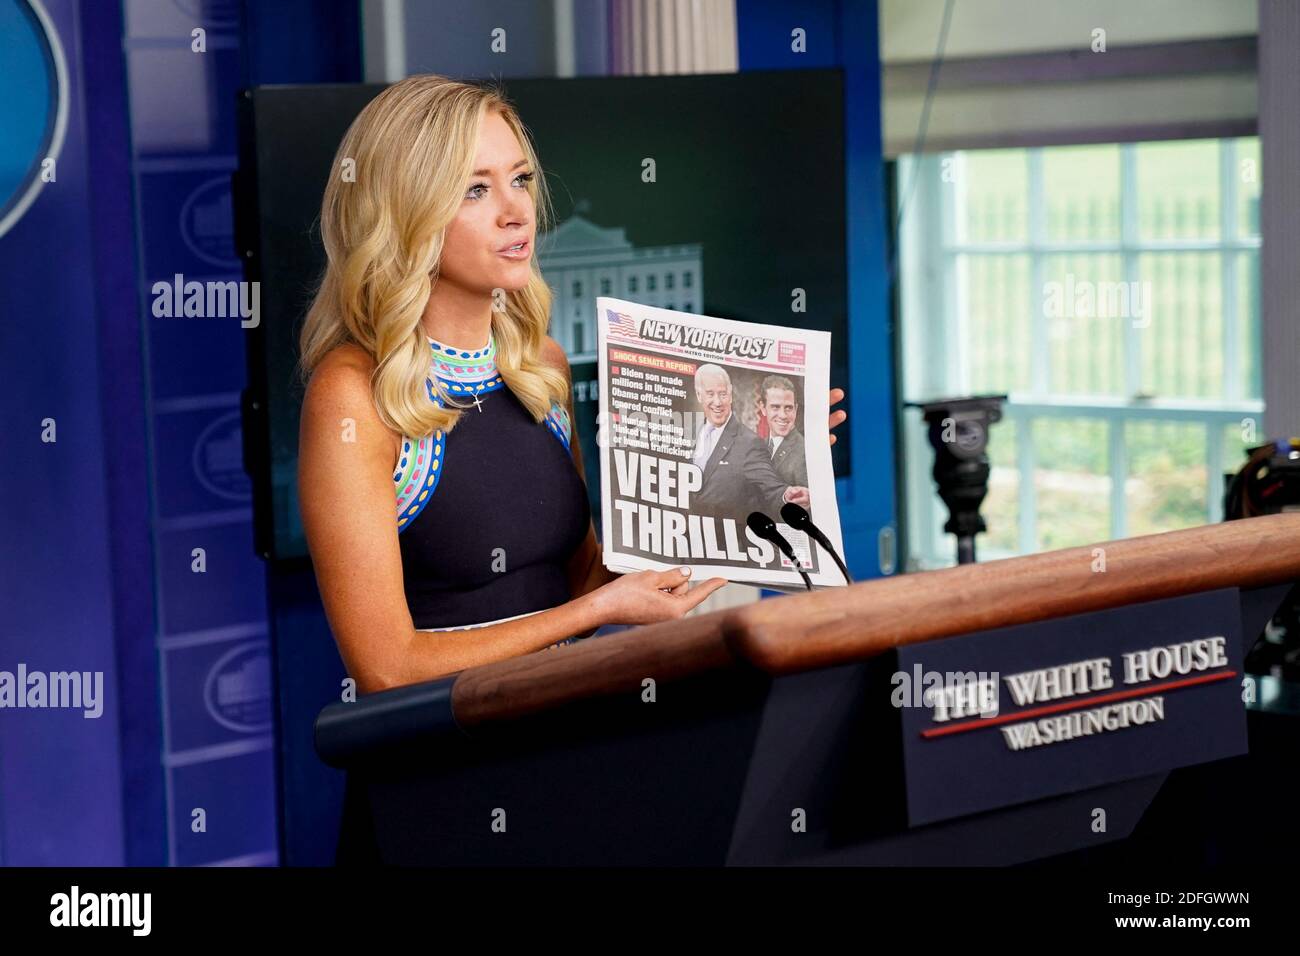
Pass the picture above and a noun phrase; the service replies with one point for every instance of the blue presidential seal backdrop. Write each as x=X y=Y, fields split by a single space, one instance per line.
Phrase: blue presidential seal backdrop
x=35 y=116
x=118 y=143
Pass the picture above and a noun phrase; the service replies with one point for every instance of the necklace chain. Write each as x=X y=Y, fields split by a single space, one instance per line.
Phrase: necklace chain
x=471 y=370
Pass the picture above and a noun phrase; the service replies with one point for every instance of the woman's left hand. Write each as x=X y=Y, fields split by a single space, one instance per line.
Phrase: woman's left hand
x=837 y=417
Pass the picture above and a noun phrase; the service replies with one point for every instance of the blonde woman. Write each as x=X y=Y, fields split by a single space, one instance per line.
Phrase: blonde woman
x=440 y=481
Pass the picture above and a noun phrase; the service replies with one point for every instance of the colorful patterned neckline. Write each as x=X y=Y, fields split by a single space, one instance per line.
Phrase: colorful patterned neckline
x=462 y=372
x=466 y=370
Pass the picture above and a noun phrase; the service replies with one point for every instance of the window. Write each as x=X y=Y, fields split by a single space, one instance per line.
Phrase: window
x=577 y=339
x=686 y=280
x=577 y=289
x=650 y=283
x=1112 y=292
x=668 y=281
x=604 y=287
x=631 y=283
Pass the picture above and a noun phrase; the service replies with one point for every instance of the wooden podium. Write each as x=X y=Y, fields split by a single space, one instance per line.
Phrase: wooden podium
x=779 y=732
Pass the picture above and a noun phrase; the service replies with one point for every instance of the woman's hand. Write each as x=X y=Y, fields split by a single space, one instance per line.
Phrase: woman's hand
x=837 y=417
x=648 y=597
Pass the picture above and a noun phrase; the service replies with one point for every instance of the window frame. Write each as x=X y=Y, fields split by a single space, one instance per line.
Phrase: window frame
x=934 y=332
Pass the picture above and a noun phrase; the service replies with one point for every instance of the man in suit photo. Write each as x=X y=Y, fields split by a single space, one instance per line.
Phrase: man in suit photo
x=779 y=404
x=738 y=473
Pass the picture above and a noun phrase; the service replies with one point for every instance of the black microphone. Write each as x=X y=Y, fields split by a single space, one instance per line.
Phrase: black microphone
x=765 y=527
x=798 y=518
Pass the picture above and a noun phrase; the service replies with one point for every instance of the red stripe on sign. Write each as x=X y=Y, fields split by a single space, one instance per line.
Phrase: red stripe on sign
x=979 y=722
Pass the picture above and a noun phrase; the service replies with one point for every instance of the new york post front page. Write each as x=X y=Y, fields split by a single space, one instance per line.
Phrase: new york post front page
x=704 y=421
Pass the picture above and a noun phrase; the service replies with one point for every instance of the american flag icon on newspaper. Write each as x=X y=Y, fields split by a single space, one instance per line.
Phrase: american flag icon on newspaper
x=618 y=322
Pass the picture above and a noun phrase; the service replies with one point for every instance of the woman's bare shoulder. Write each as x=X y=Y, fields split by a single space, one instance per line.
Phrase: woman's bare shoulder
x=342 y=376
x=339 y=389
x=342 y=367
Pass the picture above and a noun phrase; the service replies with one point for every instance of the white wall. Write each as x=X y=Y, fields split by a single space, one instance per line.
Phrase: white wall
x=910 y=28
x=1024 y=72
x=1279 y=135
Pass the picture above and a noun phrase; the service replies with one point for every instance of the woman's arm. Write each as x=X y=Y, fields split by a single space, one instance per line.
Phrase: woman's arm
x=345 y=486
x=587 y=572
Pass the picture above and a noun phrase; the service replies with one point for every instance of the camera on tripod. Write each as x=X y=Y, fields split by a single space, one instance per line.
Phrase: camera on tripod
x=1269 y=483
x=959 y=434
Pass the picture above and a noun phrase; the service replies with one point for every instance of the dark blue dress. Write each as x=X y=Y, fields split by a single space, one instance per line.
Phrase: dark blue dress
x=490 y=514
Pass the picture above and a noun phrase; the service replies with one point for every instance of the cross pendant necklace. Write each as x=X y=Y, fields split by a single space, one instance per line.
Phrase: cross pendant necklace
x=478 y=404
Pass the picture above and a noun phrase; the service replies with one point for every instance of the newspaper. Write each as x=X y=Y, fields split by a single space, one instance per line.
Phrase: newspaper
x=688 y=448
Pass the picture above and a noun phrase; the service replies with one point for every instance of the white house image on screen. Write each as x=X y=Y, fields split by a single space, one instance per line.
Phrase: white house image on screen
x=582 y=260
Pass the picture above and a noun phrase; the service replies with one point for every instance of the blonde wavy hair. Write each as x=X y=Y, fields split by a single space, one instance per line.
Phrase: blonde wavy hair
x=383 y=229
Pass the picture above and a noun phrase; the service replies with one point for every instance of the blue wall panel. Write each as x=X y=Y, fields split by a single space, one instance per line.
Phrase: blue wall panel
x=200 y=463
x=57 y=599
x=227 y=700
x=240 y=821
x=844 y=34
x=182 y=111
